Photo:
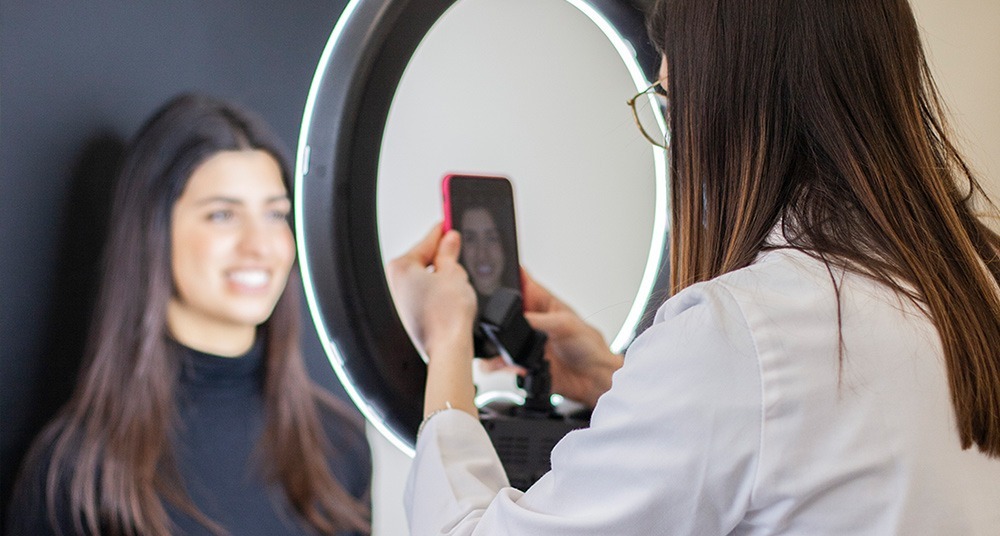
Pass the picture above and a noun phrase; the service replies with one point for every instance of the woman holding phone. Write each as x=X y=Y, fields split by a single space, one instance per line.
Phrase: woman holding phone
x=194 y=413
x=829 y=362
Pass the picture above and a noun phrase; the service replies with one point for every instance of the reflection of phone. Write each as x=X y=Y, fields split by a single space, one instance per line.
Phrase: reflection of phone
x=481 y=208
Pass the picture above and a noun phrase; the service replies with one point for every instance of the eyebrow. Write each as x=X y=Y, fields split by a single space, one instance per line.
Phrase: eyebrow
x=236 y=201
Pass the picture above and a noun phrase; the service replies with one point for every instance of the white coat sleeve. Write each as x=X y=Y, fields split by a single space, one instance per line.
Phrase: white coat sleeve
x=672 y=448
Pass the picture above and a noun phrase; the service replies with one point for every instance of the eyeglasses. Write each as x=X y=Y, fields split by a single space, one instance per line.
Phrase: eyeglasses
x=645 y=118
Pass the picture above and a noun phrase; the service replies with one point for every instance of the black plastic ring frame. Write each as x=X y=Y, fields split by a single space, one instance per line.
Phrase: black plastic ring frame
x=335 y=185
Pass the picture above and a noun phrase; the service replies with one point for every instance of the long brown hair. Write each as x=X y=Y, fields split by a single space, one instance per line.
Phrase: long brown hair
x=112 y=440
x=822 y=115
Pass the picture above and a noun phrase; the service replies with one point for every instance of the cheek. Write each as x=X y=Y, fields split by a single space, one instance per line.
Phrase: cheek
x=496 y=252
x=285 y=249
x=193 y=256
x=470 y=248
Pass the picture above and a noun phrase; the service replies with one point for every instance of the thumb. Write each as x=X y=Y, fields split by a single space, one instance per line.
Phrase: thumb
x=448 y=249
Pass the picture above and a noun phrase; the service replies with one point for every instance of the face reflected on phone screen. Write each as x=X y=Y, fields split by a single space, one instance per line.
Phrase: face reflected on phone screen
x=482 y=250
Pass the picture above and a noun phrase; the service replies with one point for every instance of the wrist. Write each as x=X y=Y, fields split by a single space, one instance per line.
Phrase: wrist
x=449 y=387
x=452 y=340
x=449 y=373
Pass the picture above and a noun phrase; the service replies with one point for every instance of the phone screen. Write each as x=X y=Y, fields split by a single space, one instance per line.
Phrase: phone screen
x=482 y=210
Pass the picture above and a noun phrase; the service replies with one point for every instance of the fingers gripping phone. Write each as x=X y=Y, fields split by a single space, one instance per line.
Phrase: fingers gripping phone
x=481 y=208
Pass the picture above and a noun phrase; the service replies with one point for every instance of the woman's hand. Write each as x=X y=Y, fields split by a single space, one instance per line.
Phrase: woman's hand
x=432 y=290
x=438 y=307
x=579 y=358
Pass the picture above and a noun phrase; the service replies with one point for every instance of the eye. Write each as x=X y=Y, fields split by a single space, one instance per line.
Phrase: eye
x=279 y=215
x=220 y=216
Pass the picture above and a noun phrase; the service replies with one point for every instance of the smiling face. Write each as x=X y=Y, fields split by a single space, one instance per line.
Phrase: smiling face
x=482 y=252
x=232 y=249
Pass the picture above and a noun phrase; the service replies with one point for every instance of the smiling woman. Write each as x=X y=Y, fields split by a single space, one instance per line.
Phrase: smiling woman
x=194 y=413
x=232 y=250
x=483 y=250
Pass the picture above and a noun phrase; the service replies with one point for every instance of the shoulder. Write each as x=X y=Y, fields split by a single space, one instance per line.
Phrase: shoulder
x=779 y=278
x=783 y=291
x=699 y=375
x=342 y=423
x=700 y=354
x=686 y=406
x=795 y=281
x=809 y=317
x=699 y=337
x=786 y=295
x=795 y=317
x=349 y=455
x=717 y=347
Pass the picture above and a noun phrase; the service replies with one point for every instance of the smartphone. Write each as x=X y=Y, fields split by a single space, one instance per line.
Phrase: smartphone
x=481 y=208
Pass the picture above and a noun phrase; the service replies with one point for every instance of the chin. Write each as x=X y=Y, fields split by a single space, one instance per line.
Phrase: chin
x=251 y=316
x=488 y=290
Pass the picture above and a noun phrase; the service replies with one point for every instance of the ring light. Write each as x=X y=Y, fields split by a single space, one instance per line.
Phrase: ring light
x=335 y=185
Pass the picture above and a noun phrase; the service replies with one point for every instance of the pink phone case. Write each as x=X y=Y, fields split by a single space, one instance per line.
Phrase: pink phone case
x=446 y=194
x=448 y=224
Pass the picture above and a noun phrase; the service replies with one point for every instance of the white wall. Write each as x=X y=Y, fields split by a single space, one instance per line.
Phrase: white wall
x=503 y=67
x=962 y=40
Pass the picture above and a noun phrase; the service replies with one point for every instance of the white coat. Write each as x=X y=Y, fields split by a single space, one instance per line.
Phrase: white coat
x=736 y=413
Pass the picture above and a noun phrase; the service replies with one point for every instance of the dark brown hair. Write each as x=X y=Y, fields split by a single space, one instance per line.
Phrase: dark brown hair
x=822 y=115
x=112 y=439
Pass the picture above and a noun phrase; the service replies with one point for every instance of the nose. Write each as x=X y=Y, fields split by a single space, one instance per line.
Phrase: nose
x=255 y=238
x=472 y=250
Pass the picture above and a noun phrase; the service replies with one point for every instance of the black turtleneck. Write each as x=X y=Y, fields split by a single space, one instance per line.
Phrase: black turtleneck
x=221 y=415
x=220 y=410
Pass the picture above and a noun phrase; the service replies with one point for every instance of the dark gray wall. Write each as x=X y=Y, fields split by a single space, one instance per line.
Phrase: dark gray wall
x=76 y=78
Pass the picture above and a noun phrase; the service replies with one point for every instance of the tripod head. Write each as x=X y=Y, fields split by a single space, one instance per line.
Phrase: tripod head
x=502 y=322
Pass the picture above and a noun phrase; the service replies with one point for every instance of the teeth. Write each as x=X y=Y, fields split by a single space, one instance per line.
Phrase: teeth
x=250 y=278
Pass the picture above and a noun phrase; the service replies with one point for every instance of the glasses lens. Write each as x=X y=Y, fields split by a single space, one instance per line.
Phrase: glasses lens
x=650 y=112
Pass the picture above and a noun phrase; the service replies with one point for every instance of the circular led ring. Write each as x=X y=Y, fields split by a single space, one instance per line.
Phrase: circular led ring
x=335 y=184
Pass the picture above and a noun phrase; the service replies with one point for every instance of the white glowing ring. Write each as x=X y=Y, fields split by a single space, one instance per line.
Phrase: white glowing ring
x=335 y=173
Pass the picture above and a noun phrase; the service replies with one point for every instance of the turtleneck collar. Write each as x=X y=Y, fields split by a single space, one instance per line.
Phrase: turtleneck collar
x=202 y=369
